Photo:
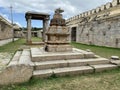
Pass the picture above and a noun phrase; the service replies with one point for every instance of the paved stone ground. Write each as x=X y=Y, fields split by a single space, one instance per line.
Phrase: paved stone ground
x=3 y=42
x=4 y=59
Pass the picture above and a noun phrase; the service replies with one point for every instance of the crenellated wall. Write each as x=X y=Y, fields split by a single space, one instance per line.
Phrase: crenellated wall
x=100 y=26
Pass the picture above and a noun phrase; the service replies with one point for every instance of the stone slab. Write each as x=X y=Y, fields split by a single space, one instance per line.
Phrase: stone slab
x=36 y=51
x=42 y=73
x=26 y=52
x=41 y=55
x=69 y=63
x=62 y=71
x=25 y=58
x=62 y=56
x=50 y=64
x=116 y=62
x=84 y=62
x=15 y=74
x=103 y=67
x=59 y=48
x=72 y=70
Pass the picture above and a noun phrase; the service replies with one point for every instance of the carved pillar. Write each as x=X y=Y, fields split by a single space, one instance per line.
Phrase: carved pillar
x=29 y=30
x=45 y=27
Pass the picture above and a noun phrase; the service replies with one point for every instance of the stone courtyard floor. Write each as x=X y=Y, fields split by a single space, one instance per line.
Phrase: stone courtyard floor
x=4 y=59
x=3 y=42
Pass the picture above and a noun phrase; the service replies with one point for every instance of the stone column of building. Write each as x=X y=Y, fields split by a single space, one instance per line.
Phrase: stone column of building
x=29 y=30
x=45 y=27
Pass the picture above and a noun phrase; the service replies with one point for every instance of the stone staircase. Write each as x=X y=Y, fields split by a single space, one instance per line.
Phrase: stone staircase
x=77 y=62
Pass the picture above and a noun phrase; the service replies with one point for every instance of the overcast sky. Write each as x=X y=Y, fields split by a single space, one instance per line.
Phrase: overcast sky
x=71 y=8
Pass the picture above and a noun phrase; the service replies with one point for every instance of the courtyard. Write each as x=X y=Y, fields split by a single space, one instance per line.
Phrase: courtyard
x=107 y=80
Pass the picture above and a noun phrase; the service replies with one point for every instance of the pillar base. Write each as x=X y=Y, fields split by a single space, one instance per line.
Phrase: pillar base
x=29 y=42
x=58 y=48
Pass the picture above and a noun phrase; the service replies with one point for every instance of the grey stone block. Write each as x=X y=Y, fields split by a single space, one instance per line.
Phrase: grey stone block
x=42 y=73
x=15 y=74
x=72 y=70
x=103 y=67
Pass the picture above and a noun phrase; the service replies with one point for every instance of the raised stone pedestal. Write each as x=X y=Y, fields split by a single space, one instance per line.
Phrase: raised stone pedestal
x=58 y=48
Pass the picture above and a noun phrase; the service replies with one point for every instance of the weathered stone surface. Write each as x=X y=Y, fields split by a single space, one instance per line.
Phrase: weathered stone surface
x=84 y=62
x=59 y=48
x=42 y=73
x=115 y=58
x=50 y=64
x=103 y=7
x=116 y=62
x=108 y=5
x=5 y=29
x=72 y=70
x=115 y=2
x=101 y=28
x=16 y=74
x=58 y=34
x=4 y=60
x=103 y=67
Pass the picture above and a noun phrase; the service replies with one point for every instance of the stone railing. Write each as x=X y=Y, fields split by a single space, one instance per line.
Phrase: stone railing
x=96 y=11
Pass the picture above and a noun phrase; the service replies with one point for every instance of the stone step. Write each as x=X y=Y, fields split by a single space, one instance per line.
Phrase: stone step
x=68 y=63
x=72 y=70
x=15 y=58
x=38 y=54
x=25 y=58
x=100 y=68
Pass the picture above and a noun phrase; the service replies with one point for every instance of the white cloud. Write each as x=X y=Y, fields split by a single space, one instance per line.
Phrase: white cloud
x=6 y=17
x=71 y=7
x=18 y=24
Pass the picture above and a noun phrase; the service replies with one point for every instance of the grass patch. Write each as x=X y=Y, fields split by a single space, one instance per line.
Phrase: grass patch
x=36 y=39
x=12 y=46
x=106 y=52
x=108 y=80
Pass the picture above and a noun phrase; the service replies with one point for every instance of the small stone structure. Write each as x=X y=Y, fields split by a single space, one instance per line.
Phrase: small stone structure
x=57 y=34
x=100 y=26
x=36 y=16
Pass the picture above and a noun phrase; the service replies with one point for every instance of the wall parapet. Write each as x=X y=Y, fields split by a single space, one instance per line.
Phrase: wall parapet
x=95 y=11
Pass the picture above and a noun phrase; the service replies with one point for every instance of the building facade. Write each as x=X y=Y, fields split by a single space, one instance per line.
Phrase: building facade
x=100 y=26
x=5 y=29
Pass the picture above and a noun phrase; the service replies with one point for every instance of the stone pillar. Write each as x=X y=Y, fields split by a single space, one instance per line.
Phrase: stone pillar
x=70 y=29
x=45 y=28
x=29 y=30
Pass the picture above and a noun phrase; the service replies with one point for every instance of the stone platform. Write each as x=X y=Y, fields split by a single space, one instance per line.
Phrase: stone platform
x=38 y=54
x=73 y=62
x=36 y=62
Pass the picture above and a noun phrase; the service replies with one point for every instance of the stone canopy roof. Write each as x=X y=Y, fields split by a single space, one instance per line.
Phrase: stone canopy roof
x=36 y=15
